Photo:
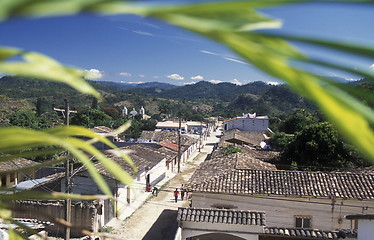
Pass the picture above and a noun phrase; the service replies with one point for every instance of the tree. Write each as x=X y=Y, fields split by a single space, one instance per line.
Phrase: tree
x=91 y=117
x=318 y=146
x=297 y=121
x=112 y=112
x=41 y=106
x=24 y=119
x=95 y=103
x=165 y=108
x=280 y=140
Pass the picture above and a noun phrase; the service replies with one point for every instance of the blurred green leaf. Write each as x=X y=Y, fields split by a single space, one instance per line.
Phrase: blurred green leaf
x=6 y=53
x=341 y=108
x=114 y=168
x=28 y=195
x=15 y=139
x=273 y=55
x=14 y=235
x=368 y=75
x=365 y=51
x=39 y=66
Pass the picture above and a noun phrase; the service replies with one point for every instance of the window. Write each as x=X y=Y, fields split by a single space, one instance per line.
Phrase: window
x=303 y=221
x=3 y=181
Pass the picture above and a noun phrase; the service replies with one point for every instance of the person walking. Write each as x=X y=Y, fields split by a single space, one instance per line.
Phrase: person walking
x=155 y=191
x=183 y=191
x=176 y=194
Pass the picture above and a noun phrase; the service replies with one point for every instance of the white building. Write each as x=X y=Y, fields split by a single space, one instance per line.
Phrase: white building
x=289 y=198
x=171 y=126
x=186 y=127
x=195 y=127
x=247 y=122
x=133 y=113
x=142 y=111
x=292 y=200
x=124 y=111
x=364 y=223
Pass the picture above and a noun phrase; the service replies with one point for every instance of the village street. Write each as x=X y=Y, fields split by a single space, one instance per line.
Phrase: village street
x=156 y=219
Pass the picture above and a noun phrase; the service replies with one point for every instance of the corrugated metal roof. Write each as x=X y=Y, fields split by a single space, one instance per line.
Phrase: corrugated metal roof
x=28 y=184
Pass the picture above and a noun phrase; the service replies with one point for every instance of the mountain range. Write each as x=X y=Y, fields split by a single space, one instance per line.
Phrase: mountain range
x=225 y=99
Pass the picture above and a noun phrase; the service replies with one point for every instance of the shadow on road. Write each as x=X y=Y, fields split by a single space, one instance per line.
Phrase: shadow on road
x=164 y=227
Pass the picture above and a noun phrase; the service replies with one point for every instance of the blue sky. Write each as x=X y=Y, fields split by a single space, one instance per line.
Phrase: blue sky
x=132 y=49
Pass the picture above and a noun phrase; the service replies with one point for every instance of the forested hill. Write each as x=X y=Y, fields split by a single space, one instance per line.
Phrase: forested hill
x=223 y=99
x=220 y=91
x=127 y=86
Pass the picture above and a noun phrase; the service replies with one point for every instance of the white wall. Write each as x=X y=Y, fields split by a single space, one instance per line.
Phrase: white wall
x=281 y=211
x=247 y=124
x=128 y=194
x=365 y=229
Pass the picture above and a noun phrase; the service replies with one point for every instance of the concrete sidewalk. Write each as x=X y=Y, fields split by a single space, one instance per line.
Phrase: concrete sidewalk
x=156 y=218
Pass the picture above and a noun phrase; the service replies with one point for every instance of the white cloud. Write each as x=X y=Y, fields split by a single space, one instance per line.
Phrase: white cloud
x=352 y=79
x=272 y=83
x=135 y=82
x=229 y=58
x=198 y=77
x=142 y=33
x=189 y=83
x=151 y=25
x=156 y=77
x=215 y=81
x=93 y=74
x=372 y=67
x=131 y=82
x=235 y=60
x=236 y=82
x=125 y=74
x=211 y=53
x=175 y=76
x=141 y=75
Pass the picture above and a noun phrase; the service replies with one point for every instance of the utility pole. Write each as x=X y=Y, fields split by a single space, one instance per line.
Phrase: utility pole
x=201 y=131
x=66 y=113
x=179 y=144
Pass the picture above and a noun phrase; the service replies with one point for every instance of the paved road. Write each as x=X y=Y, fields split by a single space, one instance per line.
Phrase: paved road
x=156 y=219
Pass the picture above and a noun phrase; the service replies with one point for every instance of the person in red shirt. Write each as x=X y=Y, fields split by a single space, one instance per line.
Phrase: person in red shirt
x=176 y=194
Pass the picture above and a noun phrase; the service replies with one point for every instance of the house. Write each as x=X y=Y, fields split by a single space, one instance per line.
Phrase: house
x=150 y=160
x=17 y=170
x=106 y=132
x=188 y=143
x=247 y=122
x=151 y=165
x=209 y=223
x=290 y=199
x=244 y=137
x=172 y=126
x=185 y=126
x=219 y=223
x=195 y=127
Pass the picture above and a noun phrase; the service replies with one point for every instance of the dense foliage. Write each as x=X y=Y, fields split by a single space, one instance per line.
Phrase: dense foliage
x=309 y=143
